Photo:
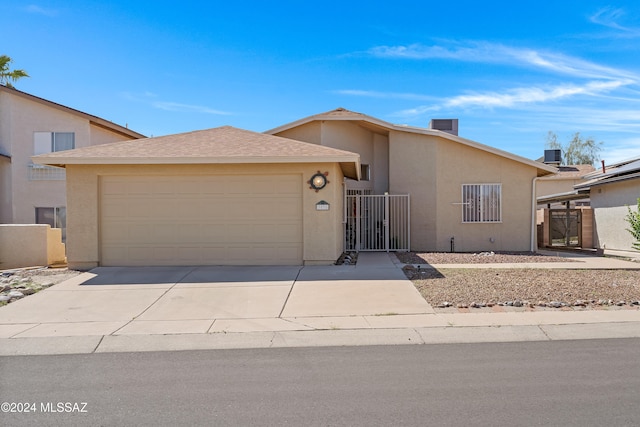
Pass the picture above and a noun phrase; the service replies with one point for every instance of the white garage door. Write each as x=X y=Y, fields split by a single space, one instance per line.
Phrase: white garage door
x=201 y=220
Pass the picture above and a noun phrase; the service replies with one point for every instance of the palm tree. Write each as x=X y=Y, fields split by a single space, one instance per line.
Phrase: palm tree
x=7 y=76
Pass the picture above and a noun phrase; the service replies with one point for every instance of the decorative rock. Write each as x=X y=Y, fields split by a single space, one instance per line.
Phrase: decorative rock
x=4 y=298
x=16 y=294
x=555 y=304
x=445 y=304
x=5 y=288
x=620 y=303
x=542 y=304
x=579 y=303
x=635 y=303
x=46 y=285
x=25 y=280
x=28 y=291
x=463 y=306
x=517 y=303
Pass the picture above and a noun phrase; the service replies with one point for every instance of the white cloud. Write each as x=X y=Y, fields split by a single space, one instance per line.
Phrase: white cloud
x=485 y=52
x=186 y=108
x=623 y=150
x=529 y=95
x=610 y=17
x=32 y=8
x=150 y=98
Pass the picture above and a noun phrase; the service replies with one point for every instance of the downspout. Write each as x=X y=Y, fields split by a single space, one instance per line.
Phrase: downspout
x=534 y=206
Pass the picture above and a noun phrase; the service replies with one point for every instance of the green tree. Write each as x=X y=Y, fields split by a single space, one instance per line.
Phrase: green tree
x=578 y=151
x=633 y=218
x=7 y=76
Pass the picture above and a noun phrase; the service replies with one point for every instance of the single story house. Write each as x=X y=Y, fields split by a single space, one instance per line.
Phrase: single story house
x=298 y=194
x=612 y=191
x=217 y=196
x=464 y=196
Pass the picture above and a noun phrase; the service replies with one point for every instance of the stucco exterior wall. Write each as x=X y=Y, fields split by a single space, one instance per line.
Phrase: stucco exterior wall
x=549 y=186
x=433 y=171
x=5 y=190
x=322 y=230
x=19 y=119
x=27 y=118
x=30 y=245
x=413 y=162
x=609 y=203
x=309 y=132
x=345 y=135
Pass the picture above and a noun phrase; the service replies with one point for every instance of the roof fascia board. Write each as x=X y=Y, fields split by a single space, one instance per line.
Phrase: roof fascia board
x=92 y=119
x=607 y=180
x=55 y=160
x=546 y=169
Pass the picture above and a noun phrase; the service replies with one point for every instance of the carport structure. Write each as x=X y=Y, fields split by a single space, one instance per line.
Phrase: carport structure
x=222 y=196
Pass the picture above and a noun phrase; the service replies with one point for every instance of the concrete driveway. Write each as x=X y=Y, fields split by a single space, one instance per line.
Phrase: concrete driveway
x=179 y=300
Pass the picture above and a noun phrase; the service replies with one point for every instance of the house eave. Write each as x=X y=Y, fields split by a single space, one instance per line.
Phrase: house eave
x=94 y=120
x=541 y=168
x=350 y=164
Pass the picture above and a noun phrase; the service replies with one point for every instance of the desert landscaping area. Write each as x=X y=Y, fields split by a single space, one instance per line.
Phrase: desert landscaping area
x=518 y=288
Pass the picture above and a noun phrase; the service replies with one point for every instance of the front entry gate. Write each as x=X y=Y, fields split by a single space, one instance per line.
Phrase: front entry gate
x=377 y=222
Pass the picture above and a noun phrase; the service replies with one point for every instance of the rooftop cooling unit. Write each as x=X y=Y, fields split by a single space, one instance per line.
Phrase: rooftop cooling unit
x=445 y=125
x=553 y=157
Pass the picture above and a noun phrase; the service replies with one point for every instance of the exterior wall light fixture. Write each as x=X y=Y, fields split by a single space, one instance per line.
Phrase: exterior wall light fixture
x=318 y=181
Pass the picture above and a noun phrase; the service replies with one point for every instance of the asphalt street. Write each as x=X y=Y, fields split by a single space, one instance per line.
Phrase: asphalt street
x=585 y=382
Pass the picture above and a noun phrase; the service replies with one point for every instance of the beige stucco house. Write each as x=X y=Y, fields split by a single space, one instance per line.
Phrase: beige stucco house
x=464 y=196
x=563 y=182
x=298 y=194
x=32 y=193
x=612 y=191
x=217 y=196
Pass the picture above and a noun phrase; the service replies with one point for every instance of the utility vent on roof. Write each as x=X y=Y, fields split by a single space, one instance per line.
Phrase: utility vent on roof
x=553 y=157
x=445 y=125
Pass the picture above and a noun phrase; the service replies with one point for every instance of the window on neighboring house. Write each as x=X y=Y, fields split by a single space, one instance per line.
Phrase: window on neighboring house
x=55 y=217
x=365 y=173
x=481 y=203
x=49 y=142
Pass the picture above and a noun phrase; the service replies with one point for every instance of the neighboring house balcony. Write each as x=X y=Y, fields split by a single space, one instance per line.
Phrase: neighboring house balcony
x=46 y=173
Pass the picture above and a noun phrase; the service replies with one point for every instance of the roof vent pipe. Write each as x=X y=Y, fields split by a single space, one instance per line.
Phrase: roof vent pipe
x=603 y=168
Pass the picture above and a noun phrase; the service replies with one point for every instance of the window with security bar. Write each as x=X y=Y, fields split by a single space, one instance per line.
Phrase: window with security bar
x=481 y=202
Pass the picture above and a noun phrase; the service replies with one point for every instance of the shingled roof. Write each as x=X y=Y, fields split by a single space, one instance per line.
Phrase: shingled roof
x=220 y=145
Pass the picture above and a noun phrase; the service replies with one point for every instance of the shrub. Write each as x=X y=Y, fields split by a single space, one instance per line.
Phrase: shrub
x=633 y=218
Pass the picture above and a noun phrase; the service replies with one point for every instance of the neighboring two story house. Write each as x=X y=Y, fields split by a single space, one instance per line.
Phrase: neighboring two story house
x=29 y=125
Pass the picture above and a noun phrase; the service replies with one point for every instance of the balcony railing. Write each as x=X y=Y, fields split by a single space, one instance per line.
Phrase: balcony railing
x=46 y=173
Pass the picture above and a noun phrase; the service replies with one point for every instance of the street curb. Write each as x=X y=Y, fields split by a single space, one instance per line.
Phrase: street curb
x=316 y=338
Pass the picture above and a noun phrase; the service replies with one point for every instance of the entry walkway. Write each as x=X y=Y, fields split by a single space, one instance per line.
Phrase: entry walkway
x=183 y=308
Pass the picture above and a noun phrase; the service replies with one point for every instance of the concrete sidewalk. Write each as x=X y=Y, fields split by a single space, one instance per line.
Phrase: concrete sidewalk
x=185 y=308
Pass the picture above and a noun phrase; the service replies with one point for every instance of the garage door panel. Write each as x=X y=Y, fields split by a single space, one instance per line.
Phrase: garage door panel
x=204 y=220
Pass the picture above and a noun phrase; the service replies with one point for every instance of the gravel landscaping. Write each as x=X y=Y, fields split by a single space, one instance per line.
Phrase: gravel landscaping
x=523 y=288
x=19 y=283
x=475 y=258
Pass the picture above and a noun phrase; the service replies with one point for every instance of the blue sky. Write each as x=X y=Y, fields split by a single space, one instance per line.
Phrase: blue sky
x=509 y=71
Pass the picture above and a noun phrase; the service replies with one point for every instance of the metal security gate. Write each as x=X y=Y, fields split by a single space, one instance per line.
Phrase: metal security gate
x=376 y=222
